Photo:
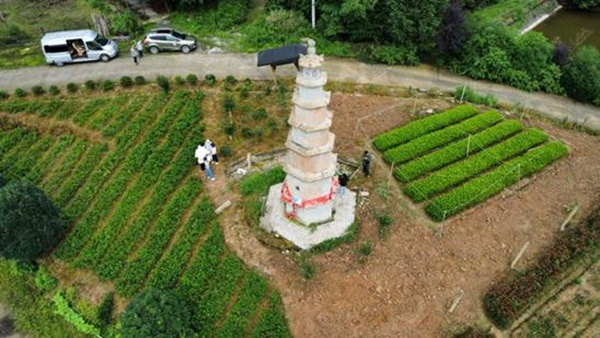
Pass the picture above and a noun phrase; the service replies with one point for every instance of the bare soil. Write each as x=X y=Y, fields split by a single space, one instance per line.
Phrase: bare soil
x=405 y=287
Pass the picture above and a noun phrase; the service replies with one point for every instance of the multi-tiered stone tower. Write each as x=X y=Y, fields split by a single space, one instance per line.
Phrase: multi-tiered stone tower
x=306 y=209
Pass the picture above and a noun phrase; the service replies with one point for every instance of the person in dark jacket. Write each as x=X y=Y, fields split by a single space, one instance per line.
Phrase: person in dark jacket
x=343 y=180
x=366 y=163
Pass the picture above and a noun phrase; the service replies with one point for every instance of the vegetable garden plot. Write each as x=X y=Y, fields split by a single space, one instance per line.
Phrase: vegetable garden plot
x=466 y=156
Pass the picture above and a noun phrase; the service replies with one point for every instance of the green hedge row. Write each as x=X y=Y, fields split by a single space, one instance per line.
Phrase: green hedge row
x=78 y=176
x=168 y=269
x=195 y=280
x=113 y=262
x=456 y=151
x=94 y=189
x=134 y=275
x=426 y=143
x=148 y=175
x=44 y=165
x=124 y=116
x=118 y=182
x=101 y=117
x=486 y=186
x=423 y=126
x=464 y=170
x=211 y=306
x=509 y=298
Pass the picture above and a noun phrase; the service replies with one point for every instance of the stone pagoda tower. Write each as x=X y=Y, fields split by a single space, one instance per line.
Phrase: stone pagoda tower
x=305 y=209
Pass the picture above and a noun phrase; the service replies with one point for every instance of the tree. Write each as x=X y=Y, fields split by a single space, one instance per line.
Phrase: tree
x=583 y=4
x=30 y=224
x=3 y=181
x=452 y=33
x=581 y=74
x=562 y=54
x=158 y=314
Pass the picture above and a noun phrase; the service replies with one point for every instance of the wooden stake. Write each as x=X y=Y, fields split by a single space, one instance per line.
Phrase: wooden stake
x=223 y=206
x=568 y=219
x=516 y=260
x=456 y=301
x=249 y=161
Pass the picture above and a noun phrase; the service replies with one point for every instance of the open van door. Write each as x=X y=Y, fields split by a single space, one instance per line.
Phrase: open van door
x=78 y=50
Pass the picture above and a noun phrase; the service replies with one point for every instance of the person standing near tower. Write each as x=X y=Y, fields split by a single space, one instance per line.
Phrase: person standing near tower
x=366 y=163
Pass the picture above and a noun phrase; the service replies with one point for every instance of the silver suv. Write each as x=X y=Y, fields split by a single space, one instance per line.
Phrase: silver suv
x=161 y=39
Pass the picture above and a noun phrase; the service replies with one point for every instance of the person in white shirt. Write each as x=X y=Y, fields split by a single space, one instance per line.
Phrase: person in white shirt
x=212 y=150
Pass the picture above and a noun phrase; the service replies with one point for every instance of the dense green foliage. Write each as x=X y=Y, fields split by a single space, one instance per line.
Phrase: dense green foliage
x=3 y=181
x=467 y=94
x=30 y=224
x=422 y=126
x=63 y=309
x=516 y=292
x=581 y=74
x=583 y=4
x=158 y=314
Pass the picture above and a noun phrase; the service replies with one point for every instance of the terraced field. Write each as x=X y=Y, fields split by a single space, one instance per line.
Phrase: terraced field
x=121 y=167
x=459 y=158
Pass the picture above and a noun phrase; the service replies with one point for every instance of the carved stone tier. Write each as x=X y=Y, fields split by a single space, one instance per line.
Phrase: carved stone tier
x=312 y=81
x=310 y=120
x=310 y=144
x=311 y=103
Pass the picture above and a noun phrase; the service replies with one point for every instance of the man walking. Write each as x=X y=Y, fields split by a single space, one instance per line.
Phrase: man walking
x=140 y=48
x=366 y=162
x=134 y=54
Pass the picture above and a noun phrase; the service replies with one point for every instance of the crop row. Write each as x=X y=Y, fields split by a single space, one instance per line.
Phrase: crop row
x=10 y=139
x=20 y=106
x=50 y=159
x=148 y=176
x=88 y=110
x=79 y=174
x=17 y=151
x=115 y=186
x=138 y=268
x=510 y=297
x=27 y=160
x=58 y=174
x=107 y=112
x=115 y=258
x=428 y=142
x=456 y=151
x=195 y=280
x=272 y=322
x=239 y=316
x=68 y=109
x=91 y=190
x=49 y=108
x=124 y=116
x=169 y=268
x=486 y=186
x=422 y=126
x=213 y=304
x=464 y=170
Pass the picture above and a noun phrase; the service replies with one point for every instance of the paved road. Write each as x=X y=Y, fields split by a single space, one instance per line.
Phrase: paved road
x=244 y=66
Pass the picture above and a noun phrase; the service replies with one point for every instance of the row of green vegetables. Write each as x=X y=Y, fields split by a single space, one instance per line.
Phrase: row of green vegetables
x=491 y=183
x=94 y=196
x=421 y=145
x=462 y=171
x=147 y=177
x=49 y=159
x=423 y=126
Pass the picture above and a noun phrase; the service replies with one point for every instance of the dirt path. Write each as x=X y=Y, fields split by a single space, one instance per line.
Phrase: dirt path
x=244 y=66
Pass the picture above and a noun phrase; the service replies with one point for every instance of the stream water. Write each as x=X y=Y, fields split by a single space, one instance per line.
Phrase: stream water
x=574 y=27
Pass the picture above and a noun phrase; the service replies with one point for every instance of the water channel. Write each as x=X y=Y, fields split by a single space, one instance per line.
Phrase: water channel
x=574 y=27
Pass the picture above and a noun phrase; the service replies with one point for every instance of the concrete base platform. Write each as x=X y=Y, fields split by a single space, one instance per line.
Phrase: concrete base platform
x=274 y=220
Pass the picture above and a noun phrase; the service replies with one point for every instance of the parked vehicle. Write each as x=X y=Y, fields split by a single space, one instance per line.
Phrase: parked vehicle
x=77 y=46
x=163 y=39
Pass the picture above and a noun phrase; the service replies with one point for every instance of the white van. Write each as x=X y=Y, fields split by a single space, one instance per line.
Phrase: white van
x=77 y=46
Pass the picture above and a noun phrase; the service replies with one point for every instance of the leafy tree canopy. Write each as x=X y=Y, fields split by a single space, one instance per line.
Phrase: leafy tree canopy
x=581 y=74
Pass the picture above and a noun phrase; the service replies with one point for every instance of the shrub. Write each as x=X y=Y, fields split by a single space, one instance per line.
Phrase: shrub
x=30 y=224
x=365 y=248
x=140 y=80
x=44 y=281
x=509 y=298
x=306 y=269
x=19 y=92
x=228 y=104
x=90 y=85
x=385 y=221
x=244 y=92
x=3 y=95
x=192 y=79
x=425 y=143
x=230 y=80
x=179 y=80
x=107 y=85
x=105 y=310
x=260 y=114
x=468 y=94
x=474 y=165
x=125 y=22
x=248 y=132
x=163 y=83
x=64 y=310
x=73 y=88
x=38 y=90
x=489 y=184
x=456 y=151
x=53 y=90
x=226 y=151
x=423 y=126
x=156 y=313
x=391 y=55
x=210 y=79
x=228 y=127
x=581 y=74
x=126 y=82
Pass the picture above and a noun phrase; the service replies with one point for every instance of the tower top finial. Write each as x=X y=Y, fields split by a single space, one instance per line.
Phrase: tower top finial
x=311 y=59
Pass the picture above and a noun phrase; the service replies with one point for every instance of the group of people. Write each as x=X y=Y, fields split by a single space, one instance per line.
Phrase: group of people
x=343 y=179
x=137 y=51
x=206 y=154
